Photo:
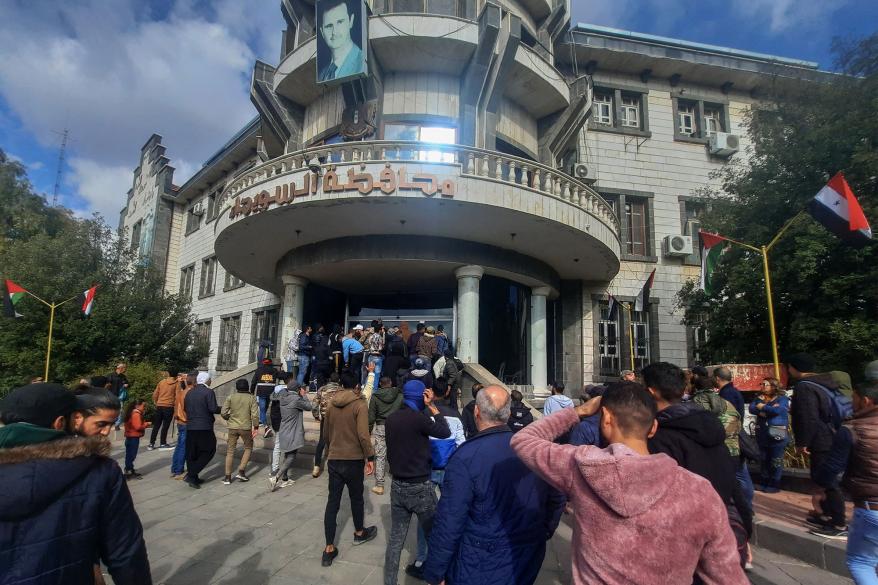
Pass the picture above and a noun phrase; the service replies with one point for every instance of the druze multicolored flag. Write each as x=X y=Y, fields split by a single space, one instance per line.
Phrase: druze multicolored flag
x=712 y=247
x=836 y=207
x=14 y=294
x=641 y=303
x=86 y=301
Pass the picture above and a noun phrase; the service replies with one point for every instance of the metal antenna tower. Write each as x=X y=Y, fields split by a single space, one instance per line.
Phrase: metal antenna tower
x=60 y=172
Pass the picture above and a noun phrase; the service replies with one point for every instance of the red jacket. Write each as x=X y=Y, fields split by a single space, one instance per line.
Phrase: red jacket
x=135 y=427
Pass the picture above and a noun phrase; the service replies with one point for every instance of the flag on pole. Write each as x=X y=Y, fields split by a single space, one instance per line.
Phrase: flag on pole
x=612 y=308
x=14 y=293
x=712 y=247
x=836 y=207
x=86 y=301
x=642 y=301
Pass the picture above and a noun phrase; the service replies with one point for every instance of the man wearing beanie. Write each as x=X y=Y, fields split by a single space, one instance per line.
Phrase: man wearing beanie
x=408 y=433
x=201 y=409
x=59 y=492
x=811 y=414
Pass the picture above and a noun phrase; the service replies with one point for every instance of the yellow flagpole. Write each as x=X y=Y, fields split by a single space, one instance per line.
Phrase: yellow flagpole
x=771 y=324
x=49 y=347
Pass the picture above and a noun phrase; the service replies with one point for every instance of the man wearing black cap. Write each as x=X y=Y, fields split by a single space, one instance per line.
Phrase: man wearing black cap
x=59 y=493
x=811 y=416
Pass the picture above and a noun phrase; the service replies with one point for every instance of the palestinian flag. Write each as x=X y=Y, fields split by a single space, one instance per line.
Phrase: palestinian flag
x=86 y=301
x=836 y=207
x=712 y=248
x=613 y=308
x=641 y=303
x=14 y=293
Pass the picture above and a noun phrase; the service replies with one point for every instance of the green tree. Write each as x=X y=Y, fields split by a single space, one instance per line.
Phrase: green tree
x=132 y=319
x=825 y=292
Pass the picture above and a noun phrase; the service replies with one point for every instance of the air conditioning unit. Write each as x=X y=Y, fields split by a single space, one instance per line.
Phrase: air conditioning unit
x=677 y=245
x=584 y=173
x=198 y=208
x=723 y=144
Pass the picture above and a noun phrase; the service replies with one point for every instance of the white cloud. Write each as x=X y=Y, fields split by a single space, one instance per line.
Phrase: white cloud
x=112 y=76
x=789 y=15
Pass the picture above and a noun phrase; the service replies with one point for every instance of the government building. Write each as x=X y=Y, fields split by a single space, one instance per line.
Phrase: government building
x=488 y=166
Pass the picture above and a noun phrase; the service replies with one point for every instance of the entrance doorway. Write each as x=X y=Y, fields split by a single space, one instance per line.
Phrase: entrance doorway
x=432 y=308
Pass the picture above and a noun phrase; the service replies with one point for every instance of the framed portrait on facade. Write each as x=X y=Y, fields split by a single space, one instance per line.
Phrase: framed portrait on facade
x=342 y=40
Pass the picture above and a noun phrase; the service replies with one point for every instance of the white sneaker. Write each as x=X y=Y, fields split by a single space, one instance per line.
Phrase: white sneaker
x=287 y=483
x=272 y=483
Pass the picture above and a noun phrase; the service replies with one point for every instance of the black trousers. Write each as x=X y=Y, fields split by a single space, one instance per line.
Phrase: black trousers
x=833 y=504
x=356 y=363
x=200 y=449
x=162 y=418
x=344 y=473
x=321 y=445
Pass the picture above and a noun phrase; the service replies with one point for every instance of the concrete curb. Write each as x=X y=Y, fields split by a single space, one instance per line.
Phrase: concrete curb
x=797 y=543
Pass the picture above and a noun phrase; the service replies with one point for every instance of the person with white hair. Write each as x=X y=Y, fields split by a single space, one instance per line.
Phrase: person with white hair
x=201 y=410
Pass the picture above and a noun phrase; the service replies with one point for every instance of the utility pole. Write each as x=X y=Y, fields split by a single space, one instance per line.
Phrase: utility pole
x=60 y=172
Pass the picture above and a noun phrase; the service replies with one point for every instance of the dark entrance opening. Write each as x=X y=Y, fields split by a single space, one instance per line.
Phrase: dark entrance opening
x=503 y=329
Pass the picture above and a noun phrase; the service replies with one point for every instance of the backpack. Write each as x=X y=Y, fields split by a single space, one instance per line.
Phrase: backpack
x=841 y=407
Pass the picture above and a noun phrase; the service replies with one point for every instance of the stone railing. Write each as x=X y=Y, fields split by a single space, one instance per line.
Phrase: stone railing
x=474 y=163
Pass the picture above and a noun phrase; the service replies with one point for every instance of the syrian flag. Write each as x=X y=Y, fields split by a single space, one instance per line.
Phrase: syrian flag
x=14 y=293
x=613 y=308
x=641 y=303
x=712 y=248
x=836 y=207
x=87 y=301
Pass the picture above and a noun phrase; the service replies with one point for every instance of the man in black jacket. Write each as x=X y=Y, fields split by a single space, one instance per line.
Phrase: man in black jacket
x=695 y=439
x=263 y=383
x=408 y=432
x=201 y=408
x=811 y=416
x=468 y=414
x=118 y=385
x=65 y=504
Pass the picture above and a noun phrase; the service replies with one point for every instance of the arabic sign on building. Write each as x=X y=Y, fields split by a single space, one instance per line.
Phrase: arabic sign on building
x=362 y=182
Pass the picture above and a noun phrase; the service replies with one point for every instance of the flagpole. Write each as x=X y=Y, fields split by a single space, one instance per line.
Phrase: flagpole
x=783 y=230
x=771 y=324
x=52 y=307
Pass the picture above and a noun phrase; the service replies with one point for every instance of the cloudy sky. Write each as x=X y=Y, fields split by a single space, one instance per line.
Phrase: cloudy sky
x=115 y=71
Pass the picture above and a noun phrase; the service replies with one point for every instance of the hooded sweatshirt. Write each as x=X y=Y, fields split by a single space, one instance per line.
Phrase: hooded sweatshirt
x=625 y=502
x=810 y=412
x=346 y=428
x=165 y=392
x=556 y=402
x=384 y=402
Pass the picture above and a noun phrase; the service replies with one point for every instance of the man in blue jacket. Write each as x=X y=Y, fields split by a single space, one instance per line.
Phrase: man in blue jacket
x=495 y=515
x=65 y=504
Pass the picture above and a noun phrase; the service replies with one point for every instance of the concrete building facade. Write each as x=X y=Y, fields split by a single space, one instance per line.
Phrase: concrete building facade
x=499 y=171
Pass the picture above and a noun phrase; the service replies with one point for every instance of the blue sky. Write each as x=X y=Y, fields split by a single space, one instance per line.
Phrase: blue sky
x=115 y=71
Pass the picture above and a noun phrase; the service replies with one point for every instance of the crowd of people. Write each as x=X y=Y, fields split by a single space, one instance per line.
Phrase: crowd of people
x=651 y=463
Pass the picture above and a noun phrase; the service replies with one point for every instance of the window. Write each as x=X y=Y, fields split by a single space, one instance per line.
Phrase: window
x=416 y=132
x=230 y=333
x=264 y=327
x=193 y=220
x=635 y=221
x=135 y=236
x=608 y=342
x=630 y=111
x=713 y=120
x=640 y=330
x=187 y=277
x=208 y=277
x=212 y=206
x=686 y=119
x=202 y=340
x=602 y=109
x=232 y=282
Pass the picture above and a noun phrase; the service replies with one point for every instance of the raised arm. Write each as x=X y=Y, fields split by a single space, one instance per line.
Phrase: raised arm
x=534 y=446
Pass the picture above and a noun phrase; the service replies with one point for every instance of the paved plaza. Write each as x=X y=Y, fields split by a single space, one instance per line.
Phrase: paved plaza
x=241 y=533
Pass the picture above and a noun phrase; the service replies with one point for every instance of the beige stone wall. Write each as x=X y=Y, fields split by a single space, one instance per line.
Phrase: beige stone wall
x=323 y=114
x=515 y=123
x=421 y=93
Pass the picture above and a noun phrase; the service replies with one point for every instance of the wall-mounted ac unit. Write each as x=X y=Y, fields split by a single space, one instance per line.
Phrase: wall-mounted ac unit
x=723 y=144
x=198 y=208
x=677 y=245
x=584 y=173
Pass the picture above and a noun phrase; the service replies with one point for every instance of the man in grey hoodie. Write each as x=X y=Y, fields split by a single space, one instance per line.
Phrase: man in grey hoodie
x=557 y=401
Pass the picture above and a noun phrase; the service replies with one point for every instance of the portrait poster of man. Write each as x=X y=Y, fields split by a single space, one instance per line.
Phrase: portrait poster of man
x=342 y=37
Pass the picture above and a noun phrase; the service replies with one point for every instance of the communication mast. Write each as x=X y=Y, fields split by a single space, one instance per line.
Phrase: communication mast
x=60 y=172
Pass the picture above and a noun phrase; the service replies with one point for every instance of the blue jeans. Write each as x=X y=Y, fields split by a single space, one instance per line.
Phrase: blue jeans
x=178 y=461
x=743 y=475
x=263 y=408
x=862 y=551
x=771 y=466
x=437 y=477
x=304 y=361
x=379 y=365
x=132 y=444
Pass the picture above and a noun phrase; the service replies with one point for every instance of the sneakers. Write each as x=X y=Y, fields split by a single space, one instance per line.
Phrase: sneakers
x=165 y=446
x=316 y=471
x=241 y=476
x=832 y=532
x=227 y=480
x=818 y=521
x=378 y=489
x=131 y=474
x=150 y=447
x=287 y=483
x=272 y=484
x=328 y=557
x=369 y=532
x=415 y=570
x=193 y=483
x=178 y=476
x=268 y=432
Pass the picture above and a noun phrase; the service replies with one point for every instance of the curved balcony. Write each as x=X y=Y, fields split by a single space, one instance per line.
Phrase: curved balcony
x=492 y=199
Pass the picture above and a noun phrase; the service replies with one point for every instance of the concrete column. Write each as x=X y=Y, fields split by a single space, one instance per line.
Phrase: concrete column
x=468 y=312
x=292 y=310
x=538 y=355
